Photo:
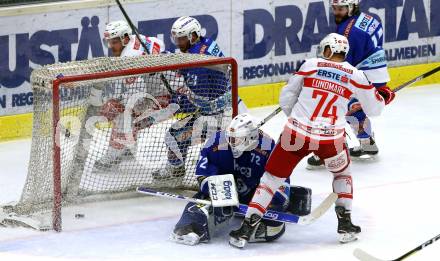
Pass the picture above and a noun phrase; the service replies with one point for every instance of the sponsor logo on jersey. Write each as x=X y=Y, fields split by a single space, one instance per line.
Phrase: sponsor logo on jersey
x=334 y=65
x=329 y=74
x=363 y=21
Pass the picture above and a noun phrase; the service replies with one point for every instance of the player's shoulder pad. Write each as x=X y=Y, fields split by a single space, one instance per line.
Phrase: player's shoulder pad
x=367 y=23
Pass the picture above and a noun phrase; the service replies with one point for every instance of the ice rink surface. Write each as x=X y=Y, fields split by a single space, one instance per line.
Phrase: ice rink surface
x=396 y=202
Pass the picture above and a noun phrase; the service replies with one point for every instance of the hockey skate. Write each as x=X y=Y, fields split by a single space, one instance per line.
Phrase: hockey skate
x=170 y=172
x=239 y=238
x=348 y=232
x=314 y=162
x=113 y=158
x=367 y=149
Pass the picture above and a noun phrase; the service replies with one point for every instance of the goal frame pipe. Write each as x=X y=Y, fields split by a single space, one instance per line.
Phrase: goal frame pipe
x=57 y=191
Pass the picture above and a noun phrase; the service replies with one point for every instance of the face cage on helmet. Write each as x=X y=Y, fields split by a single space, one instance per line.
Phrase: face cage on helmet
x=238 y=145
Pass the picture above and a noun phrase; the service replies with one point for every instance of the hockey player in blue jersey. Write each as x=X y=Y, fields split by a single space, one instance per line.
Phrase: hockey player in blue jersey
x=241 y=150
x=365 y=36
x=205 y=93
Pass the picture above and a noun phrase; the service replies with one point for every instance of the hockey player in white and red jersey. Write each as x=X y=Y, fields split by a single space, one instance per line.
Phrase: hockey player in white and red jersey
x=365 y=36
x=123 y=43
x=315 y=101
x=143 y=92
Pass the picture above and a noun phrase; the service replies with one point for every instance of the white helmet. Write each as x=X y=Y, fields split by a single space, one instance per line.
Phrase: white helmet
x=242 y=134
x=337 y=43
x=185 y=26
x=349 y=3
x=117 y=29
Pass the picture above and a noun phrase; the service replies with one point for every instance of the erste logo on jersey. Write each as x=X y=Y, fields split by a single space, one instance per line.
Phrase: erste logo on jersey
x=364 y=21
x=333 y=75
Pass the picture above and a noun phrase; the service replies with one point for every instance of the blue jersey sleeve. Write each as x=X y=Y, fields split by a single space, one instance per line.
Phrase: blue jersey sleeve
x=365 y=37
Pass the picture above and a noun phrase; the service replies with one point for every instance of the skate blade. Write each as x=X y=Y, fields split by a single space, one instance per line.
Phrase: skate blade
x=238 y=243
x=365 y=157
x=312 y=167
x=190 y=239
x=347 y=238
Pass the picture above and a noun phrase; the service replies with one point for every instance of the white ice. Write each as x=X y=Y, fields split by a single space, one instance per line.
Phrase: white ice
x=395 y=203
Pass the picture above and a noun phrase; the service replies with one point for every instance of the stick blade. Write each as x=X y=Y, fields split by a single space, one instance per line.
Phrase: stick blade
x=320 y=210
x=364 y=256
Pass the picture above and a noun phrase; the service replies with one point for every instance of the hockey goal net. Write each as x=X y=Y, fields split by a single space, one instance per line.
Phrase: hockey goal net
x=107 y=125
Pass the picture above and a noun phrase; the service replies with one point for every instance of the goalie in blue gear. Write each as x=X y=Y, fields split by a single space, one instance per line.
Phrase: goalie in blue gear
x=203 y=92
x=242 y=150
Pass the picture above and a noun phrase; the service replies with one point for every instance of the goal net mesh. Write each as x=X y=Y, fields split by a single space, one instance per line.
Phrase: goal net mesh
x=112 y=124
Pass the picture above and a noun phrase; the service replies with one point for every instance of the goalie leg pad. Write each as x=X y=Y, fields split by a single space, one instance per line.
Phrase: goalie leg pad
x=268 y=232
x=194 y=221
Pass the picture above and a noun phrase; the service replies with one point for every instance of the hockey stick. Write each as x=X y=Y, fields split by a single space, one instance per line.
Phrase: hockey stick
x=135 y=30
x=270 y=214
x=418 y=78
x=268 y=117
x=364 y=256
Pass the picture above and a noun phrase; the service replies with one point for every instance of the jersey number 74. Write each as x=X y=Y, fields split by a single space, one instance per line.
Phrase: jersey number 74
x=330 y=110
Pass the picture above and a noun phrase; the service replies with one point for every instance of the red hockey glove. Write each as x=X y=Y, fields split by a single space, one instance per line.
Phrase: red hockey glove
x=387 y=94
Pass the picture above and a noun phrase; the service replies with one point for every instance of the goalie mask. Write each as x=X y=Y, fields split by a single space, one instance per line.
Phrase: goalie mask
x=242 y=134
x=337 y=44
